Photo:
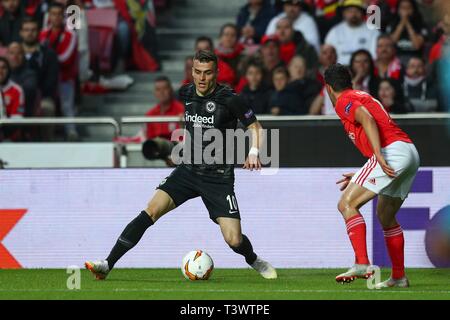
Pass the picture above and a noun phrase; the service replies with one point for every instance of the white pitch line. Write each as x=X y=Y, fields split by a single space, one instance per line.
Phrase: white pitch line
x=228 y=290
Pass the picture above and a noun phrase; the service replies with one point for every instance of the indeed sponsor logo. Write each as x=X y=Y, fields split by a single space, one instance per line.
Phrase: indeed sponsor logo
x=199 y=120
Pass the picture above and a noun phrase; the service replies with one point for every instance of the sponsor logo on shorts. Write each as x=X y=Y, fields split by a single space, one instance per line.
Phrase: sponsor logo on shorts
x=372 y=181
x=163 y=181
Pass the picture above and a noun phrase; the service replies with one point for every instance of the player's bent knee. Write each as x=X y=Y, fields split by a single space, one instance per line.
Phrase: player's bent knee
x=153 y=211
x=233 y=241
x=343 y=205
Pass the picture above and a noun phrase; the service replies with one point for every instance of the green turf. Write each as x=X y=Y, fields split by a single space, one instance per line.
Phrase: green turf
x=224 y=284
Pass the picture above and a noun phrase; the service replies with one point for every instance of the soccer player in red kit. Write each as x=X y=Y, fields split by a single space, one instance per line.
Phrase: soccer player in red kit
x=389 y=173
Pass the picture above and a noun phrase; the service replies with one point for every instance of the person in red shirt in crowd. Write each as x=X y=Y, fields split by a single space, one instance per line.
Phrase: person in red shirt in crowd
x=293 y=43
x=64 y=42
x=188 y=63
x=389 y=174
x=270 y=56
x=167 y=106
x=12 y=100
x=387 y=65
x=230 y=53
x=436 y=51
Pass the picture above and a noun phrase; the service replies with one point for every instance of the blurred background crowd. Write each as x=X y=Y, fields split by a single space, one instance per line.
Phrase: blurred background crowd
x=274 y=54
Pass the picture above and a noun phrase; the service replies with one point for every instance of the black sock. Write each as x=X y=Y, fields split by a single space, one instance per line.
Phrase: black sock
x=245 y=249
x=130 y=236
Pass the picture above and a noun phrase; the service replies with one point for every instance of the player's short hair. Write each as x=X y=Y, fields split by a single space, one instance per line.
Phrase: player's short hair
x=338 y=77
x=205 y=56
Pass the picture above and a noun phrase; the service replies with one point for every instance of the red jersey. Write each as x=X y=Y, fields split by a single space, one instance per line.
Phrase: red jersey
x=346 y=105
x=65 y=44
x=14 y=99
x=164 y=129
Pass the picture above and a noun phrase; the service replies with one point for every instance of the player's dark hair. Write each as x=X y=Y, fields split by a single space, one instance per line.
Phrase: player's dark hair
x=228 y=25
x=205 y=38
x=338 y=77
x=205 y=56
x=27 y=19
x=8 y=67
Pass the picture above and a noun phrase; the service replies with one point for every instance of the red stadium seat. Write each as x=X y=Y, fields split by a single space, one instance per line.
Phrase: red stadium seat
x=102 y=25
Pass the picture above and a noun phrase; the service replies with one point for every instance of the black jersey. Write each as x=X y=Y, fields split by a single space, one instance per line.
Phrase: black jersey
x=219 y=110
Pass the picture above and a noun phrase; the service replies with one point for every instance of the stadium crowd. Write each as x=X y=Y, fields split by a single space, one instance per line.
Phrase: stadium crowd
x=274 y=54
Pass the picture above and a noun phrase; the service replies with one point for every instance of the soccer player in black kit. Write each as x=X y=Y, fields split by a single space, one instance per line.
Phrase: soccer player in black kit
x=207 y=105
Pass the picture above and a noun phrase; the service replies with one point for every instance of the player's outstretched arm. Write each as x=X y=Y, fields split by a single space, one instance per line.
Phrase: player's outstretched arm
x=363 y=116
x=253 y=161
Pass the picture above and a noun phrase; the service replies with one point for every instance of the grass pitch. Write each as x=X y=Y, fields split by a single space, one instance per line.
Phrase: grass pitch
x=224 y=284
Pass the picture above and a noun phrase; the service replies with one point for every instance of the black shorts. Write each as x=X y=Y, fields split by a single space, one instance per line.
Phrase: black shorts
x=217 y=194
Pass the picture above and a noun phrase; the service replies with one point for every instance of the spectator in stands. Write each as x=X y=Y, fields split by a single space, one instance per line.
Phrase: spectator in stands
x=292 y=97
x=322 y=103
x=293 y=43
x=256 y=92
x=352 y=34
x=306 y=86
x=64 y=42
x=444 y=41
x=327 y=57
x=44 y=61
x=419 y=89
x=12 y=104
x=10 y=22
x=204 y=43
x=167 y=106
x=407 y=30
x=301 y=21
x=253 y=19
x=363 y=71
x=230 y=52
x=270 y=54
x=188 y=63
x=279 y=101
x=326 y=12
x=25 y=77
x=387 y=64
x=391 y=96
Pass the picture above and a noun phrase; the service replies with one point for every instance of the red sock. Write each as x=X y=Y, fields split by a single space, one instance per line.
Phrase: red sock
x=356 y=230
x=395 y=244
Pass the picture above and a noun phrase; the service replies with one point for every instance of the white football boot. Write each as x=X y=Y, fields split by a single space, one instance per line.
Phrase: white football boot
x=99 y=269
x=264 y=268
x=357 y=271
x=393 y=283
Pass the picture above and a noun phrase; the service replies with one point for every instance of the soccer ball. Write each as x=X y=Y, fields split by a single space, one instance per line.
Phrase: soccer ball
x=197 y=265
